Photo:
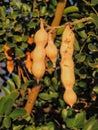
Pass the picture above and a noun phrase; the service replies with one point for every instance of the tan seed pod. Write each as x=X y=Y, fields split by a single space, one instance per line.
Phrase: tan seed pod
x=41 y=36
x=70 y=97
x=51 y=50
x=38 y=53
x=68 y=35
x=38 y=69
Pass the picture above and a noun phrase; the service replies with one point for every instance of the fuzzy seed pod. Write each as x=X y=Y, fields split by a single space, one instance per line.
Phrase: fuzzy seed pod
x=70 y=97
x=38 y=69
x=41 y=36
x=38 y=53
x=51 y=50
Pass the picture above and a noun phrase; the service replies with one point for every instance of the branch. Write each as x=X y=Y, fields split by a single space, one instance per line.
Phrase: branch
x=32 y=95
x=58 y=14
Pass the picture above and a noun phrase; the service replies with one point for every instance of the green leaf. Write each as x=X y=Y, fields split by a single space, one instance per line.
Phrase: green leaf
x=1 y=48
x=3 y=11
x=95 y=2
x=18 y=112
x=76 y=45
x=82 y=84
x=70 y=122
x=60 y=31
x=6 y=90
x=11 y=84
x=90 y=123
x=17 y=80
x=93 y=65
x=95 y=89
x=7 y=122
x=18 y=28
x=95 y=19
x=2 y=32
x=18 y=38
x=19 y=52
x=32 y=24
x=27 y=83
x=34 y=14
x=79 y=119
x=95 y=126
x=14 y=95
x=71 y=9
x=8 y=106
x=25 y=38
x=47 y=81
x=80 y=30
x=2 y=56
x=45 y=96
x=2 y=104
x=80 y=57
x=92 y=47
x=64 y=114
x=18 y=127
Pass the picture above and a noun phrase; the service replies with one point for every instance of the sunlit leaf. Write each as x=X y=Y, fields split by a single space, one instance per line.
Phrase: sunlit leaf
x=76 y=45
x=64 y=114
x=79 y=119
x=71 y=9
x=19 y=52
x=95 y=19
x=18 y=112
x=95 y=89
x=92 y=47
x=90 y=123
x=11 y=84
x=60 y=31
x=7 y=122
x=80 y=57
x=1 y=48
x=14 y=95
x=8 y=106
x=2 y=105
x=80 y=30
x=17 y=80
x=5 y=90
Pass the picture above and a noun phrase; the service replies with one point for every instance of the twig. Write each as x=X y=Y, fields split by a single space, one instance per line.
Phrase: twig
x=86 y=19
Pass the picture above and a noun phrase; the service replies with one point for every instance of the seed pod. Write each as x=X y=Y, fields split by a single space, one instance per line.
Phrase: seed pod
x=41 y=36
x=38 y=69
x=51 y=50
x=68 y=38
x=68 y=35
x=67 y=77
x=38 y=53
x=10 y=66
x=70 y=97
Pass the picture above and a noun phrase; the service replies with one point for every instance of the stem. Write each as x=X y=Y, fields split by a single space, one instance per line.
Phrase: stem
x=32 y=95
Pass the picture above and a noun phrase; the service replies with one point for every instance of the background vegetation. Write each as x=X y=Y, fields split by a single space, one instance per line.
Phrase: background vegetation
x=19 y=20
